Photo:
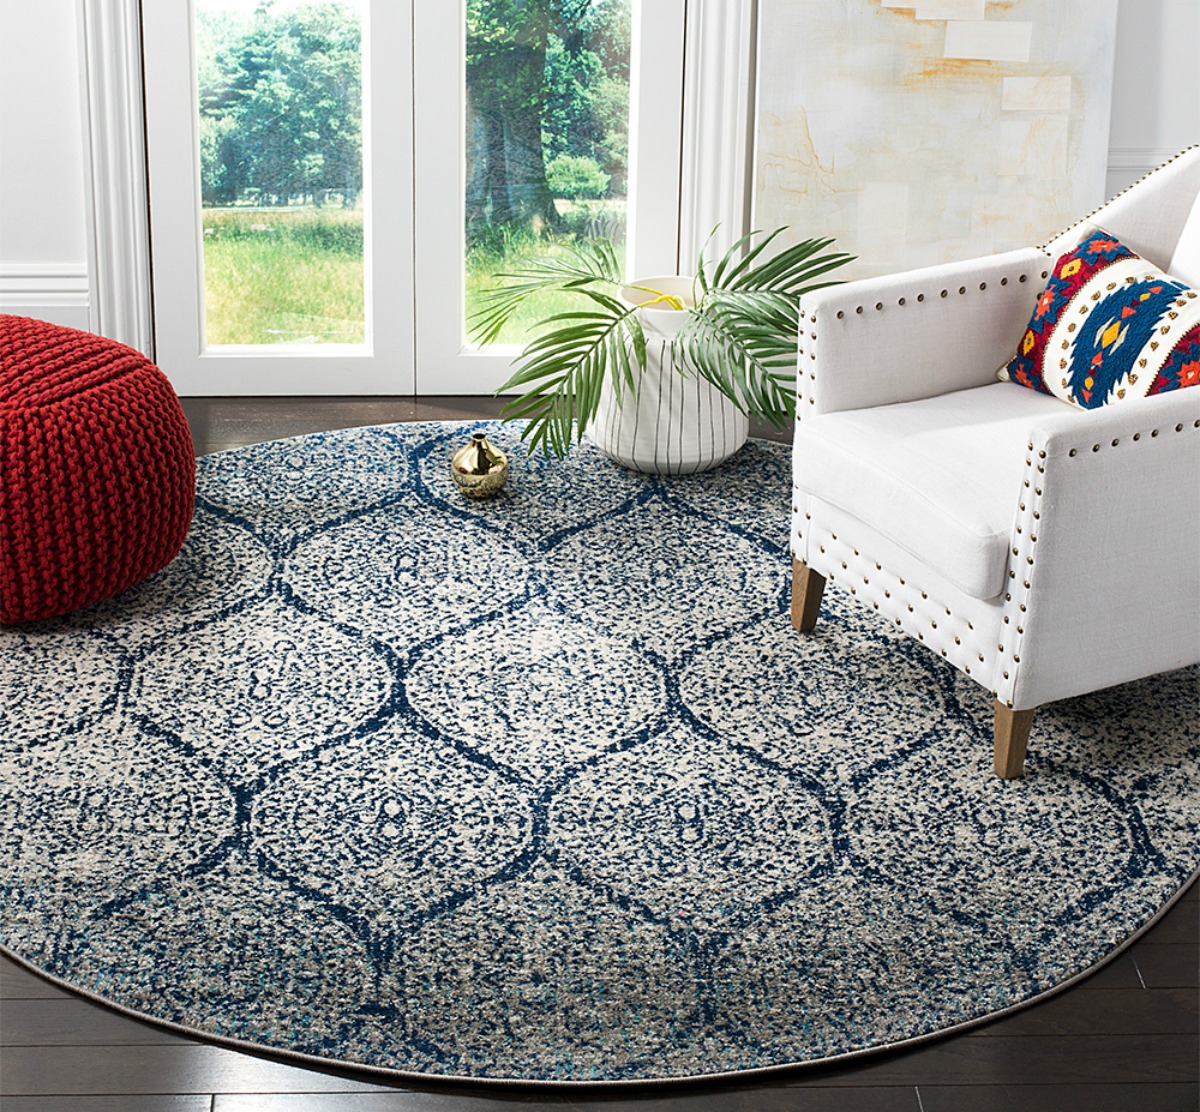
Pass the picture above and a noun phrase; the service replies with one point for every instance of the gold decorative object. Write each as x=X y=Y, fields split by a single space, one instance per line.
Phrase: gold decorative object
x=480 y=470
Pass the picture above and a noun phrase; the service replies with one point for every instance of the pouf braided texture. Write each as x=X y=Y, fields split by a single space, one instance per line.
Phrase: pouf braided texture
x=97 y=469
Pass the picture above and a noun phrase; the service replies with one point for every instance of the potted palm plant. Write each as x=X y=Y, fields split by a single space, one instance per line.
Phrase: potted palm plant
x=661 y=373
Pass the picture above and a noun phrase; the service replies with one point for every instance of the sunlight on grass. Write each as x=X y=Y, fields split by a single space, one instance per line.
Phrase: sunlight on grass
x=505 y=249
x=481 y=276
x=290 y=277
x=296 y=276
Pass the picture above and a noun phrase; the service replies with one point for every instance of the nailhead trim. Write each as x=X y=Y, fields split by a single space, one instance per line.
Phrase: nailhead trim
x=1072 y=453
x=859 y=309
x=1031 y=508
x=842 y=568
x=1034 y=510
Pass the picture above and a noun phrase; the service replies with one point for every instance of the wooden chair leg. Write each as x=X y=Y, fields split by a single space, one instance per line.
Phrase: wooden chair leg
x=807 y=587
x=1011 y=736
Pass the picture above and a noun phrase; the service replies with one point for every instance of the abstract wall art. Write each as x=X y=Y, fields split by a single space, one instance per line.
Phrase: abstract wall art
x=922 y=131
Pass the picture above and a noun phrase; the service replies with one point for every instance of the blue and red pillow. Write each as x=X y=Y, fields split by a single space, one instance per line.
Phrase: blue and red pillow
x=1109 y=327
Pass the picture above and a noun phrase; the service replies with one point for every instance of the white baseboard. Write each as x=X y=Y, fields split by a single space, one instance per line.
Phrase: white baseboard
x=57 y=292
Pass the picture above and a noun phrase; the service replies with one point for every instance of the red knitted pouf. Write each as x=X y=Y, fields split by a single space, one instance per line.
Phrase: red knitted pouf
x=97 y=470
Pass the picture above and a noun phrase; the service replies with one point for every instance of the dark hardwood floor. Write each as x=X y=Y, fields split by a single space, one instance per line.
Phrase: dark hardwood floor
x=1125 y=1040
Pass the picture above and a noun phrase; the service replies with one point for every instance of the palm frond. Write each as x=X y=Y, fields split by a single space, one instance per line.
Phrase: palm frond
x=576 y=267
x=701 y=275
x=732 y=263
x=791 y=270
x=741 y=336
x=561 y=372
x=745 y=345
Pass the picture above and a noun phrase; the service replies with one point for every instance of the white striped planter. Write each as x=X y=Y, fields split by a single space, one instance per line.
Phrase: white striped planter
x=672 y=425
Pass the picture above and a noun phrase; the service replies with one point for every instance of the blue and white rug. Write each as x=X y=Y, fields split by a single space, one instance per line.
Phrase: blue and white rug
x=547 y=788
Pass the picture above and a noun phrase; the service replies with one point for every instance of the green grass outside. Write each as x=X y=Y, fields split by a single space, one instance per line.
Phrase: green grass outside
x=507 y=250
x=276 y=277
x=296 y=276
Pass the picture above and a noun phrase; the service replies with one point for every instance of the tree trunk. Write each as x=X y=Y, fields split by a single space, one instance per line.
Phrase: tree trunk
x=506 y=167
x=476 y=166
x=498 y=204
x=528 y=192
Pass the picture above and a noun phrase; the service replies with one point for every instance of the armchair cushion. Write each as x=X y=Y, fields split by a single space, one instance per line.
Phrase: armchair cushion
x=1109 y=327
x=939 y=477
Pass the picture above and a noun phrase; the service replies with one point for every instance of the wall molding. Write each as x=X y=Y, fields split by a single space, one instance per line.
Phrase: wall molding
x=1139 y=158
x=57 y=292
x=115 y=159
x=716 y=182
x=43 y=283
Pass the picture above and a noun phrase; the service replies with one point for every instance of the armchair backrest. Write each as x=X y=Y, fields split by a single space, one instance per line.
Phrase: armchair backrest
x=1148 y=216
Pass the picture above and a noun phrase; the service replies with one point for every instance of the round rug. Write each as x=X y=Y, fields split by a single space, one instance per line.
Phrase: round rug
x=547 y=788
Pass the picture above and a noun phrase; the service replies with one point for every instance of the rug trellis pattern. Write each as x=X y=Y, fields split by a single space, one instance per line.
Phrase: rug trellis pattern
x=547 y=788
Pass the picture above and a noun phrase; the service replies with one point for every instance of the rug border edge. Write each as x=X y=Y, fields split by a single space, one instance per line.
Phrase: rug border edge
x=343 y=1068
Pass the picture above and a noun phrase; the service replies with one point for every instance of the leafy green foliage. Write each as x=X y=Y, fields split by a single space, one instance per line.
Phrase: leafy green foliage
x=744 y=332
x=577 y=267
x=741 y=335
x=545 y=79
x=576 y=176
x=280 y=104
x=586 y=110
x=508 y=247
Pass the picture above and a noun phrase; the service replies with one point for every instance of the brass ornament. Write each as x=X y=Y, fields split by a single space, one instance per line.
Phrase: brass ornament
x=480 y=470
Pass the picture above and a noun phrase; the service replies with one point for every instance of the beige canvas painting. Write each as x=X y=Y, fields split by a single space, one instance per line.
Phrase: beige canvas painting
x=922 y=132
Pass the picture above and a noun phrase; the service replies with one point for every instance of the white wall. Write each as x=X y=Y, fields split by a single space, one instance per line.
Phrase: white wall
x=1156 y=87
x=43 y=232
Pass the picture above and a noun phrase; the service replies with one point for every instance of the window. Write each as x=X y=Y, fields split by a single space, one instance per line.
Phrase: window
x=333 y=182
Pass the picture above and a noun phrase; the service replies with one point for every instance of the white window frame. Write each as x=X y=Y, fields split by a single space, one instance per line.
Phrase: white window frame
x=118 y=214
x=384 y=363
x=714 y=185
x=446 y=362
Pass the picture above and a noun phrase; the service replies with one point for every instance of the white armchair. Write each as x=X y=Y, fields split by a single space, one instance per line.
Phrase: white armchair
x=1043 y=550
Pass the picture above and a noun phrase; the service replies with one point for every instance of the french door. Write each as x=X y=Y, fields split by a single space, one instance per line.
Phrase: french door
x=333 y=183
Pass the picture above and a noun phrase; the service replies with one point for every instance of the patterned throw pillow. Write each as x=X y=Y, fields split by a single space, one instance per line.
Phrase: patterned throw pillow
x=1109 y=327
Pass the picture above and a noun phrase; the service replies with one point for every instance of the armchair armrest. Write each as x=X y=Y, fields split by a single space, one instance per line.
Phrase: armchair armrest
x=914 y=335
x=1104 y=579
